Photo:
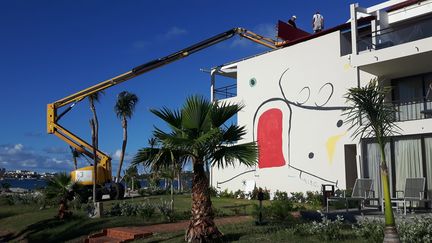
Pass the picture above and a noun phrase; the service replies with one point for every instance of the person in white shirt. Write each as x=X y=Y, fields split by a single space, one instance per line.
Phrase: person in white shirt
x=317 y=22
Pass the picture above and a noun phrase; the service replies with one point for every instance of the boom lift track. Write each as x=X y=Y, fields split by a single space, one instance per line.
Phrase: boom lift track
x=103 y=160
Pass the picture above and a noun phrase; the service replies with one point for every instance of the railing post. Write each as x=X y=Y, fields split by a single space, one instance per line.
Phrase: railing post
x=353 y=11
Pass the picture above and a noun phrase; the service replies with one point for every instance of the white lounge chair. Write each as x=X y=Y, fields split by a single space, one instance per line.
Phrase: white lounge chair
x=414 y=192
x=362 y=191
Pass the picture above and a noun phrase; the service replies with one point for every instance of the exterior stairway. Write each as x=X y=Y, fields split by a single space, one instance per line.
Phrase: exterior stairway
x=118 y=235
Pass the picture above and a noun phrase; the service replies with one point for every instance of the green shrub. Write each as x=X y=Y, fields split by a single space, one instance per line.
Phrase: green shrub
x=166 y=210
x=239 y=194
x=419 y=230
x=370 y=229
x=146 y=209
x=187 y=214
x=327 y=229
x=254 y=194
x=213 y=191
x=297 y=197
x=115 y=210
x=314 y=198
x=281 y=210
x=279 y=195
x=226 y=194
x=152 y=192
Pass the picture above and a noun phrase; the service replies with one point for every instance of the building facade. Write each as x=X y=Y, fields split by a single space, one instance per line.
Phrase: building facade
x=294 y=101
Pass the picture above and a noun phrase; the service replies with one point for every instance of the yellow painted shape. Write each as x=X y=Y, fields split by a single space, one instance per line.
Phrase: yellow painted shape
x=347 y=66
x=331 y=145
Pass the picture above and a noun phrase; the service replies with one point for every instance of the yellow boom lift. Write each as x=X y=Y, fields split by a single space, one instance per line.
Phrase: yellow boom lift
x=84 y=175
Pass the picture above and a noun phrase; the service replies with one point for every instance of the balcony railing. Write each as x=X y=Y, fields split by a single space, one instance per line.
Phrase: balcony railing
x=413 y=110
x=396 y=35
x=225 y=92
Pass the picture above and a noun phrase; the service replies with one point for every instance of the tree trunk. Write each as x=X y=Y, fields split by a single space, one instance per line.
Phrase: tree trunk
x=201 y=227
x=94 y=161
x=390 y=232
x=179 y=184
x=123 y=150
x=96 y=123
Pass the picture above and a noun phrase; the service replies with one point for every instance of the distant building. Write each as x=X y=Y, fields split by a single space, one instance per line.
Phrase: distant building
x=294 y=100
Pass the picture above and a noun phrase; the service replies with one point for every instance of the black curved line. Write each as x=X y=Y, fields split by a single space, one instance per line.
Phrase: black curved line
x=308 y=89
x=307 y=107
x=331 y=94
x=289 y=120
x=218 y=183
x=303 y=171
x=280 y=84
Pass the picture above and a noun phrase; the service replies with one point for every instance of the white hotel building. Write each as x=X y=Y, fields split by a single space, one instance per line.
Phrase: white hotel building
x=294 y=100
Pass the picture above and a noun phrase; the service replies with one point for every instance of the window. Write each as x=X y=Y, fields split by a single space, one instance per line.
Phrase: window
x=412 y=97
x=407 y=156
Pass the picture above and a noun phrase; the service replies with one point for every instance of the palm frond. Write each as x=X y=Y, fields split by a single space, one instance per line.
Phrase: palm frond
x=195 y=113
x=243 y=153
x=222 y=112
x=125 y=104
x=369 y=115
x=173 y=118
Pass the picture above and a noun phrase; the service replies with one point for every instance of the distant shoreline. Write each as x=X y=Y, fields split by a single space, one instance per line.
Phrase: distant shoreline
x=24 y=183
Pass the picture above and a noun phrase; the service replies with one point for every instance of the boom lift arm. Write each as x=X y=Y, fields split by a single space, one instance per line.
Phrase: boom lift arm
x=82 y=146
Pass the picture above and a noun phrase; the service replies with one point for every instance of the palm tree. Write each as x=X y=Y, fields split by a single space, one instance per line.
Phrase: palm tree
x=370 y=116
x=95 y=97
x=166 y=161
x=59 y=186
x=197 y=130
x=124 y=109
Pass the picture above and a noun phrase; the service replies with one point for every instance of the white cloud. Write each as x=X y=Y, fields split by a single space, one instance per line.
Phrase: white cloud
x=17 y=156
x=117 y=154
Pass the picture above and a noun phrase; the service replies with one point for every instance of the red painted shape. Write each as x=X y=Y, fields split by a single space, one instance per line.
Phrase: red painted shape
x=270 y=139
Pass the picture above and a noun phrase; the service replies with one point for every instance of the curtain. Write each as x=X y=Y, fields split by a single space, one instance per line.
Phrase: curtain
x=428 y=152
x=373 y=164
x=408 y=161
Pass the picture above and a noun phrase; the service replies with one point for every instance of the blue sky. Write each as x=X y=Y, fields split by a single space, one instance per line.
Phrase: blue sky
x=51 y=49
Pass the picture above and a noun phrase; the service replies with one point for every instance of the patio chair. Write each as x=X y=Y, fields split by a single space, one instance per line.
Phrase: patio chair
x=414 y=192
x=362 y=192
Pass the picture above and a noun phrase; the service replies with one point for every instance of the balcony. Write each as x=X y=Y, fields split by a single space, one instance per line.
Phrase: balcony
x=413 y=110
x=225 y=92
x=396 y=35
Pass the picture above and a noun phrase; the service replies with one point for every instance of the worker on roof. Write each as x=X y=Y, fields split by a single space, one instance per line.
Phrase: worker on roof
x=317 y=22
x=292 y=22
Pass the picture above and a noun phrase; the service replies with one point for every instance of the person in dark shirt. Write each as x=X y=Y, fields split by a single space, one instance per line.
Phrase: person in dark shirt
x=292 y=20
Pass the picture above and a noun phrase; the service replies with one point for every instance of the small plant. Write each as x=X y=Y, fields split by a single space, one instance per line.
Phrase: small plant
x=370 y=229
x=279 y=195
x=166 y=210
x=213 y=191
x=328 y=229
x=314 y=198
x=146 y=209
x=239 y=194
x=298 y=197
x=226 y=194
x=281 y=210
x=265 y=191
x=419 y=230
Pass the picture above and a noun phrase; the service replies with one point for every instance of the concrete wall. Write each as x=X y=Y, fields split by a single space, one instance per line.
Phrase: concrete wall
x=303 y=86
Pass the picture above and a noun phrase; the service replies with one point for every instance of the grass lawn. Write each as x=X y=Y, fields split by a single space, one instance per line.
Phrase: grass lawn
x=249 y=232
x=28 y=222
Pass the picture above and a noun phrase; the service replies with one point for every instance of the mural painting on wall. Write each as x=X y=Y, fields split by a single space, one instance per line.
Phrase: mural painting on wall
x=272 y=123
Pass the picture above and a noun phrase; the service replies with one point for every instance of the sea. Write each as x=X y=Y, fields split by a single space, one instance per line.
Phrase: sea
x=32 y=184
x=29 y=184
